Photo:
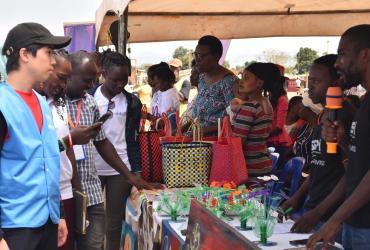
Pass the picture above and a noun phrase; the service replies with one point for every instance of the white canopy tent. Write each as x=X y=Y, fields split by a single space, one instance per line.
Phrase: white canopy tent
x=169 y=20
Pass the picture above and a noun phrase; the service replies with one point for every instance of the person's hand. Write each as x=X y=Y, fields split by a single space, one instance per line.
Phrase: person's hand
x=332 y=131
x=140 y=184
x=292 y=203
x=306 y=223
x=327 y=233
x=62 y=232
x=3 y=245
x=83 y=134
x=235 y=104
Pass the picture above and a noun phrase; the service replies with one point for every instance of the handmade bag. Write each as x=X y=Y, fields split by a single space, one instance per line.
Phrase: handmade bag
x=151 y=154
x=228 y=162
x=186 y=164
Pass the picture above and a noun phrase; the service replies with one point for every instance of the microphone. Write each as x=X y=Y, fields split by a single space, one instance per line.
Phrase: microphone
x=334 y=102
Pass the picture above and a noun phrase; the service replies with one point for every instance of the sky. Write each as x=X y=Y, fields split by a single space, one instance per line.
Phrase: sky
x=240 y=50
x=53 y=13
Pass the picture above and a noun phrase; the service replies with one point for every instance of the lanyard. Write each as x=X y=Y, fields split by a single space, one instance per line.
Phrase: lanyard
x=78 y=115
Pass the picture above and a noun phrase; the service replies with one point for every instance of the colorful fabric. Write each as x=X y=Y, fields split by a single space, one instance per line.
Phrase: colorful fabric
x=253 y=125
x=213 y=99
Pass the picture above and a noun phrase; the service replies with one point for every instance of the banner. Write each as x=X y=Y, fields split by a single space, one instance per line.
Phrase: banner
x=83 y=37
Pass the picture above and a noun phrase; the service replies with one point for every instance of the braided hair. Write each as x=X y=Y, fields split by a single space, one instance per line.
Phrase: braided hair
x=112 y=58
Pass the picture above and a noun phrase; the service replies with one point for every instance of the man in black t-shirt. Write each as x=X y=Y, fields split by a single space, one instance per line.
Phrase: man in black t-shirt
x=353 y=64
x=325 y=169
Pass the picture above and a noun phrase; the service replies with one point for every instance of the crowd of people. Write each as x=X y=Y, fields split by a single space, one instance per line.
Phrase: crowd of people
x=54 y=140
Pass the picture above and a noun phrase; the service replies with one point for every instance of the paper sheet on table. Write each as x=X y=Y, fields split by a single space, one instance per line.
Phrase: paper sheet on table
x=283 y=228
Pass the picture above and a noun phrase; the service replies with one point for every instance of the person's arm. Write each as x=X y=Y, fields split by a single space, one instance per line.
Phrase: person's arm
x=308 y=115
x=76 y=183
x=310 y=219
x=281 y=113
x=298 y=198
x=185 y=90
x=358 y=198
x=110 y=156
x=227 y=88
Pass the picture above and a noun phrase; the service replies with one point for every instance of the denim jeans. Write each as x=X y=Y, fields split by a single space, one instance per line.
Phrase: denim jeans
x=117 y=189
x=94 y=237
x=355 y=238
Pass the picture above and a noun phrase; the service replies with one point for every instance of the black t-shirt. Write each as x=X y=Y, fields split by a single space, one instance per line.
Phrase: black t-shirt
x=359 y=160
x=326 y=169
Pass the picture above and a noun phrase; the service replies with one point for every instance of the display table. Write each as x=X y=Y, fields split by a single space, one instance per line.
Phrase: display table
x=281 y=234
x=155 y=231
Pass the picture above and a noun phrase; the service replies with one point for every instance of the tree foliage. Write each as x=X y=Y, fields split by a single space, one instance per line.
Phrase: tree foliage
x=305 y=57
x=276 y=56
x=185 y=55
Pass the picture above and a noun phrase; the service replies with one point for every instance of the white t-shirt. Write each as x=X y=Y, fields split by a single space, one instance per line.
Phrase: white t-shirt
x=163 y=101
x=60 y=119
x=114 y=129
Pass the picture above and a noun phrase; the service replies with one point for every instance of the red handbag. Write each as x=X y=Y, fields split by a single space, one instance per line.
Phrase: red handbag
x=168 y=137
x=228 y=162
x=151 y=154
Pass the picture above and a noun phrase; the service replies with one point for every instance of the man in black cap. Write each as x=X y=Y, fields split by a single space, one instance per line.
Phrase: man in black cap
x=29 y=157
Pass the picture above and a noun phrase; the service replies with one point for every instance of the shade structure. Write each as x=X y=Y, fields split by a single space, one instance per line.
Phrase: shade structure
x=171 y=20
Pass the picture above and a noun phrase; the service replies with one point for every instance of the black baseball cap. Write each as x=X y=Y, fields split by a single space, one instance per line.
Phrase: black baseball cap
x=25 y=34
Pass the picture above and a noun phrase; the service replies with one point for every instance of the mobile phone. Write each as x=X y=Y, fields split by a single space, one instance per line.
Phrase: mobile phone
x=105 y=117
x=297 y=243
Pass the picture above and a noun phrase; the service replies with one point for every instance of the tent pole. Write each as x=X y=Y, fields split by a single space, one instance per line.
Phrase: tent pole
x=122 y=32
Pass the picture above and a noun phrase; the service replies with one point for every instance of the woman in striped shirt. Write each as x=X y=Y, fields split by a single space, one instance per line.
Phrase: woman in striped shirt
x=253 y=121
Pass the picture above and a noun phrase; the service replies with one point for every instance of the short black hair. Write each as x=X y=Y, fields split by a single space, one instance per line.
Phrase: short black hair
x=165 y=75
x=213 y=43
x=12 y=62
x=359 y=36
x=112 y=58
x=76 y=58
x=328 y=61
x=294 y=101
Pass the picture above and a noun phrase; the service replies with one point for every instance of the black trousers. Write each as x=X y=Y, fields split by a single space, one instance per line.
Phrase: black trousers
x=40 y=238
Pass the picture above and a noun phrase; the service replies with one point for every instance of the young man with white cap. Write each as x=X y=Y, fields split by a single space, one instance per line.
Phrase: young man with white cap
x=29 y=159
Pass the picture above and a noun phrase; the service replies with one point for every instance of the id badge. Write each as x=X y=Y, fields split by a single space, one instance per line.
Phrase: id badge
x=79 y=152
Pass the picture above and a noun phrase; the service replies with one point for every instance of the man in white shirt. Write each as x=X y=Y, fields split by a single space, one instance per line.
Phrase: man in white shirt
x=121 y=129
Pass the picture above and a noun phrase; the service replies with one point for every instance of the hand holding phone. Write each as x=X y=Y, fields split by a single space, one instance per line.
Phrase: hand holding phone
x=105 y=117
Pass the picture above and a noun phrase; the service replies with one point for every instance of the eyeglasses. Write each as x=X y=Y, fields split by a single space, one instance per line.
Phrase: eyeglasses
x=200 y=56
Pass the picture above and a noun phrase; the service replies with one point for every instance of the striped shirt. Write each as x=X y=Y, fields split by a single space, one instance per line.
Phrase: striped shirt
x=253 y=125
x=86 y=168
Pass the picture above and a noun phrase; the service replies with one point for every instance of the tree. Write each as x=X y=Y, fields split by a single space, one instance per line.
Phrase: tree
x=185 y=55
x=305 y=57
x=276 y=56
x=226 y=64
